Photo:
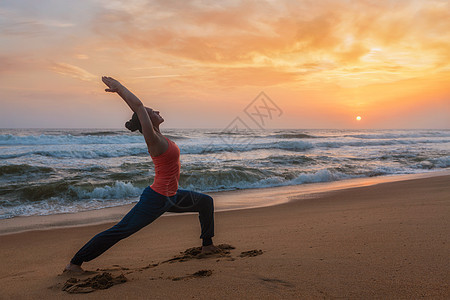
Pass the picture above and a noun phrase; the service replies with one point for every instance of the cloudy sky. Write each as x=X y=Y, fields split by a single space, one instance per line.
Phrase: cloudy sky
x=200 y=63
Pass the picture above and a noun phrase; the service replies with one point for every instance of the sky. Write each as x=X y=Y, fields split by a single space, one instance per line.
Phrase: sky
x=201 y=63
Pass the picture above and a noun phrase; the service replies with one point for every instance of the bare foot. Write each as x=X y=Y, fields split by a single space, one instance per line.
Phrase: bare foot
x=73 y=268
x=210 y=249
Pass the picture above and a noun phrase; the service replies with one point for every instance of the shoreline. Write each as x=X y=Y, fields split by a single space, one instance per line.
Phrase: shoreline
x=265 y=197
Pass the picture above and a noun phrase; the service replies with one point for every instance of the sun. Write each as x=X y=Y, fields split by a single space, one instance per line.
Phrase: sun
x=358 y=118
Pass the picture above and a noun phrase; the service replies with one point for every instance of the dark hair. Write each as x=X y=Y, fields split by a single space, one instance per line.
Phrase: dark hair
x=134 y=124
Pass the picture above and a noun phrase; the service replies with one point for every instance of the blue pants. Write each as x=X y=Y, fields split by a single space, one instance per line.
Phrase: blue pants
x=150 y=206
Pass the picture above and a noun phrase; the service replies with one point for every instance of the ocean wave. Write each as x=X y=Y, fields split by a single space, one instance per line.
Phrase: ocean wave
x=58 y=206
x=234 y=179
x=35 y=191
x=110 y=151
x=13 y=155
x=288 y=160
x=229 y=132
x=441 y=162
x=119 y=190
x=96 y=133
x=392 y=135
x=12 y=170
x=220 y=178
x=60 y=197
x=72 y=190
x=260 y=134
x=295 y=146
x=292 y=136
x=372 y=143
x=243 y=147
x=92 y=153
x=433 y=163
x=69 y=139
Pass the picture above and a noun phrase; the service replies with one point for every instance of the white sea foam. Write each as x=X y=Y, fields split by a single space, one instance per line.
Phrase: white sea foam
x=101 y=197
x=120 y=190
x=68 y=139
x=58 y=206
x=441 y=162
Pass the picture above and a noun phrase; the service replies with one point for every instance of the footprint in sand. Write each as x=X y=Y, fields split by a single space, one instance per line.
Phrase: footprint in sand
x=196 y=253
x=251 y=253
x=91 y=284
x=114 y=268
x=223 y=252
x=198 y=274
x=275 y=283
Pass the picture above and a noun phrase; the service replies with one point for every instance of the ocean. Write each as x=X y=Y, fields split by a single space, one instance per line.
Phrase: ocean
x=51 y=171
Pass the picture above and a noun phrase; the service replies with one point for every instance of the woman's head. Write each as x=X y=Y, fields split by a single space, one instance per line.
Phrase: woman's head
x=155 y=117
x=134 y=124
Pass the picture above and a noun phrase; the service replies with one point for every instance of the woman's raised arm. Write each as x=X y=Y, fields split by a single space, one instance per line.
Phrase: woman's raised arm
x=114 y=86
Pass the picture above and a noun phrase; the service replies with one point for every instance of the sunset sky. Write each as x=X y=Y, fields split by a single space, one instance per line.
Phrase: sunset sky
x=200 y=63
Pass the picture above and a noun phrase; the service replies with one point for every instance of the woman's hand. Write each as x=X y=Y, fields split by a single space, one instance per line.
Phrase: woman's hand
x=113 y=85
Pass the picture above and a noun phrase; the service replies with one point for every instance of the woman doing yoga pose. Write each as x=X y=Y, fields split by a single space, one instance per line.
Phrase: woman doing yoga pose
x=162 y=196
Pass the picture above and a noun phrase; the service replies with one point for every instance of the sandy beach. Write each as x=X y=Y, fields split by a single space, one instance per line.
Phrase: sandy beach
x=389 y=240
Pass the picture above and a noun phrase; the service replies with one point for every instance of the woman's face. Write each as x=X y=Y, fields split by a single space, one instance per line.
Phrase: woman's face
x=154 y=116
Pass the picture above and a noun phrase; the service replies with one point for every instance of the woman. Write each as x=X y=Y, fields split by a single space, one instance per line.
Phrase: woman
x=163 y=195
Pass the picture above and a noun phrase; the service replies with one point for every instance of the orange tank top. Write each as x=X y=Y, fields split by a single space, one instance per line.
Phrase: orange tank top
x=167 y=170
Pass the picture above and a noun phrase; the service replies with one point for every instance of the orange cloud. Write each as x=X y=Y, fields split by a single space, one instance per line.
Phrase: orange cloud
x=286 y=38
x=73 y=71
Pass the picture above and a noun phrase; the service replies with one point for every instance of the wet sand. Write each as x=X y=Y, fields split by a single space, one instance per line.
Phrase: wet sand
x=390 y=240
